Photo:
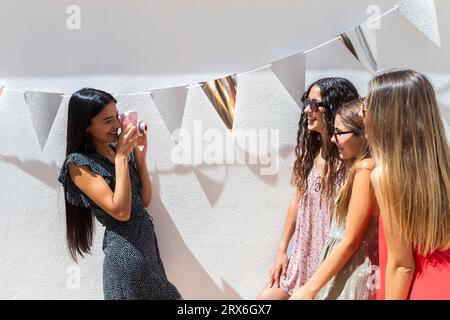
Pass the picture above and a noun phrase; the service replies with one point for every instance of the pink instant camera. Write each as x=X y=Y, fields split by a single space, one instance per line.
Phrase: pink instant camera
x=130 y=117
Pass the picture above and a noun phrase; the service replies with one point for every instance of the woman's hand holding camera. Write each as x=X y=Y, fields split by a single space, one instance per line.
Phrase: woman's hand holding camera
x=140 y=150
x=127 y=141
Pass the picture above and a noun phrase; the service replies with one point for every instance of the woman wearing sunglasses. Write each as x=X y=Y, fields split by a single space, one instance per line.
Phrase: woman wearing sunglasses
x=316 y=177
x=350 y=257
x=412 y=185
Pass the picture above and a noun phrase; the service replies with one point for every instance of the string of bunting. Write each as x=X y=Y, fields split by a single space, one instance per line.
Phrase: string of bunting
x=360 y=41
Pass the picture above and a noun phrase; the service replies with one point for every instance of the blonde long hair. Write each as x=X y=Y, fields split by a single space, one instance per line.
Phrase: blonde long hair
x=353 y=121
x=407 y=140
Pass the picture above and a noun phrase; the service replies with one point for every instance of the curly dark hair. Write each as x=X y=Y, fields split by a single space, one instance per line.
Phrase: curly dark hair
x=335 y=92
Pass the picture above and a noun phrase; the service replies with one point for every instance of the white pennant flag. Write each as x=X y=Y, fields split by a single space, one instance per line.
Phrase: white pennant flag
x=43 y=108
x=291 y=73
x=422 y=14
x=171 y=104
x=362 y=43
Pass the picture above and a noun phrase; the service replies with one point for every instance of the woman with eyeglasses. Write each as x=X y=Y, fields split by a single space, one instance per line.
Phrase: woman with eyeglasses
x=412 y=185
x=349 y=262
x=316 y=176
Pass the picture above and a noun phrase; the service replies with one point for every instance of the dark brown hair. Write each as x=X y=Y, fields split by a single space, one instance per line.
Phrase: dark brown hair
x=334 y=92
x=84 y=105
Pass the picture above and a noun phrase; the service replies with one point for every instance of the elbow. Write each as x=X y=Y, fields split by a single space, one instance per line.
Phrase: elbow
x=405 y=271
x=146 y=200
x=122 y=215
x=147 y=203
x=400 y=268
x=404 y=268
x=349 y=247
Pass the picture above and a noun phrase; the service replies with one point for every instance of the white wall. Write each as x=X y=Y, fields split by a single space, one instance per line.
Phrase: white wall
x=216 y=244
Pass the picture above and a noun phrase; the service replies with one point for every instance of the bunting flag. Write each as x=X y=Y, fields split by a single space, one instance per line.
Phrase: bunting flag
x=319 y=65
x=222 y=94
x=171 y=104
x=422 y=14
x=291 y=73
x=356 y=48
x=43 y=108
x=362 y=43
x=267 y=105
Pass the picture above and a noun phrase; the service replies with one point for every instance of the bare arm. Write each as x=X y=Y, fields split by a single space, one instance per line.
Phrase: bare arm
x=140 y=155
x=358 y=218
x=400 y=263
x=117 y=203
x=146 y=184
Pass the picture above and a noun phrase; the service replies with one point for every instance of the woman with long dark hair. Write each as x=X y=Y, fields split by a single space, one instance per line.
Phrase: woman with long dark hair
x=105 y=175
x=316 y=178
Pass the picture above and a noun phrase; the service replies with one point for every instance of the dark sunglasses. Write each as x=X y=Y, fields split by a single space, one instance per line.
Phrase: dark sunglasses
x=313 y=104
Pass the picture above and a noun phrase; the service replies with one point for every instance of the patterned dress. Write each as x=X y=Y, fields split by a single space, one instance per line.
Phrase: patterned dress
x=311 y=231
x=359 y=278
x=132 y=268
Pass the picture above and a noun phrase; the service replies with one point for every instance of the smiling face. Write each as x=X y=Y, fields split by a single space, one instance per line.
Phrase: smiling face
x=104 y=126
x=315 y=119
x=348 y=143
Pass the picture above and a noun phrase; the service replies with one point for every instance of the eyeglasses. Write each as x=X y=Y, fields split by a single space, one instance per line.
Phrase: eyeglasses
x=313 y=104
x=340 y=133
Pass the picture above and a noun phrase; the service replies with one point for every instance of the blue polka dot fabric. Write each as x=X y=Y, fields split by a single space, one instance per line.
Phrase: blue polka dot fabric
x=132 y=267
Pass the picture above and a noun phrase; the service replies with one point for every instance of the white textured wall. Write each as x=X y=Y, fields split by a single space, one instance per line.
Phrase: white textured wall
x=218 y=244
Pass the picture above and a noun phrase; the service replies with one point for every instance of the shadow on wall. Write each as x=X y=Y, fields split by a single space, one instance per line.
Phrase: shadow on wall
x=177 y=255
x=196 y=283
x=213 y=188
x=47 y=173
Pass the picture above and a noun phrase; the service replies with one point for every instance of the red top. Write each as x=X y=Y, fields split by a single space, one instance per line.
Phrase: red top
x=431 y=279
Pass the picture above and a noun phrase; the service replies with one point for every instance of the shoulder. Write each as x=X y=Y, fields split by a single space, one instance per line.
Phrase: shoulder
x=78 y=158
x=77 y=162
x=365 y=164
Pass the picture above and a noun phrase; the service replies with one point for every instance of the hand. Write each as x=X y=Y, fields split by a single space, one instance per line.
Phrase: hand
x=140 y=150
x=127 y=141
x=279 y=269
x=303 y=293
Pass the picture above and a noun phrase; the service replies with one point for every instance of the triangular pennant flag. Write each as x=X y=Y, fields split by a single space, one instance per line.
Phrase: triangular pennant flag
x=422 y=14
x=291 y=73
x=362 y=43
x=43 y=108
x=222 y=94
x=171 y=104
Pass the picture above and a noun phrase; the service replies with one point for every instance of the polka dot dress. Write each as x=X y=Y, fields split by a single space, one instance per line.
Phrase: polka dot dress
x=132 y=268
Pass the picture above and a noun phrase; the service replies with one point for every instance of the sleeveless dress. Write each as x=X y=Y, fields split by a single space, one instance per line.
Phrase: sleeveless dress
x=311 y=231
x=359 y=278
x=431 y=280
x=132 y=267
